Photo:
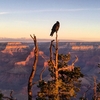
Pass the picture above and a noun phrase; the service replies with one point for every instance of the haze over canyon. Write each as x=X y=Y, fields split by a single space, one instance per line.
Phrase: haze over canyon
x=16 y=60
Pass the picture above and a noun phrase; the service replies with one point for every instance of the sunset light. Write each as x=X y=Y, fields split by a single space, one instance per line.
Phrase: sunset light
x=79 y=19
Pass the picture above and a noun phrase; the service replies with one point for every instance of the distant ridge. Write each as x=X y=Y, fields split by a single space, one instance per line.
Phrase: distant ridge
x=41 y=40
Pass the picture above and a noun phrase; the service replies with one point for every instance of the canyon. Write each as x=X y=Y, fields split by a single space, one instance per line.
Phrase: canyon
x=16 y=60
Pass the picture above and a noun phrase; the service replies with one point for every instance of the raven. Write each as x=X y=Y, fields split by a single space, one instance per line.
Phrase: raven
x=55 y=28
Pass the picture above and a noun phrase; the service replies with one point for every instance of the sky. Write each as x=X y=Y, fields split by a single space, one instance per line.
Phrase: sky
x=79 y=19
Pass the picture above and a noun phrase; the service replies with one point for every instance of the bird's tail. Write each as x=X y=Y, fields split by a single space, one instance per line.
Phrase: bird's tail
x=51 y=34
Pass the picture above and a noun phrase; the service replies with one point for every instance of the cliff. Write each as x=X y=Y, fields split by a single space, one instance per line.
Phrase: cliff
x=13 y=47
x=16 y=60
x=82 y=47
x=30 y=56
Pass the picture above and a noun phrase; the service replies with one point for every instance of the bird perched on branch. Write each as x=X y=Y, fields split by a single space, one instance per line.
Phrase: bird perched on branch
x=55 y=28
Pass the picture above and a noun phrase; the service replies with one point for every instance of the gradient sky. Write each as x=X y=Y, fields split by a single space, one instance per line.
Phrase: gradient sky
x=79 y=19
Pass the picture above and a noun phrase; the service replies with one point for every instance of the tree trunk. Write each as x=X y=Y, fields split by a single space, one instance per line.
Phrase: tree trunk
x=30 y=81
x=56 y=67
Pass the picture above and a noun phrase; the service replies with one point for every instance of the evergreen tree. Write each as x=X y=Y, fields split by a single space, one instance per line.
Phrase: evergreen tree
x=68 y=82
x=64 y=82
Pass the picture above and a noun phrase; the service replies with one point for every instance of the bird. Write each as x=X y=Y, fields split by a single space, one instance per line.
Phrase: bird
x=55 y=28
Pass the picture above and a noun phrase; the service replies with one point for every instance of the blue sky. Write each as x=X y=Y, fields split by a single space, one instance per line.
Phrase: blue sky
x=79 y=19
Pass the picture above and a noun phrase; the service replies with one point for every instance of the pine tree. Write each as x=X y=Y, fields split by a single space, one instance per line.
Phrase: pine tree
x=64 y=82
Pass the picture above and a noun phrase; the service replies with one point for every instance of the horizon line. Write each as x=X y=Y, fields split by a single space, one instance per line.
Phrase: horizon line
x=23 y=39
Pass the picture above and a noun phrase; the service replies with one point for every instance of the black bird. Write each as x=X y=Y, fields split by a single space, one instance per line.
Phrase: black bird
x=55 y=28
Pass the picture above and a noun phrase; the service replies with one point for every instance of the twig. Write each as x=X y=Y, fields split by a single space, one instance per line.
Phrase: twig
x=42 y=73
x=75 y=60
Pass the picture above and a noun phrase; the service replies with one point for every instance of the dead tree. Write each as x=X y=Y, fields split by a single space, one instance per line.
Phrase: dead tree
x=31 y=77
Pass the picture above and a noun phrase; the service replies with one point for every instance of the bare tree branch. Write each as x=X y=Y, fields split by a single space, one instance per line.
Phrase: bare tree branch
x=30 y=84
x=42 y=73
x=75 y=60
x=69 y=67
x=51 y=54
